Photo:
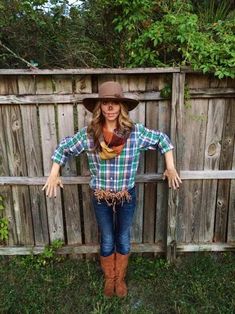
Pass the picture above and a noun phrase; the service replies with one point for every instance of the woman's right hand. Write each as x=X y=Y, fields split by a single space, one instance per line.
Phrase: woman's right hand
x=51 y=184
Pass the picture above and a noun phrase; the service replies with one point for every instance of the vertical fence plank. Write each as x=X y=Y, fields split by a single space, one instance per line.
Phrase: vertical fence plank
x=26 y=85
x=194 y=130
x=12 y=125
x=152 y=112
x=70 y=192
x=6 y=191
x=193 y=137
x=178 y=81
x=17 y=165
x=138 y=115
x=84 y=85
x=226 y=160
x=49 y=143
x=231 y=213
x=212 y=157
x=163 y=118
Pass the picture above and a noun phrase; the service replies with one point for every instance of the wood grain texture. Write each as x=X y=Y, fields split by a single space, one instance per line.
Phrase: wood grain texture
x=6 y=192
x=12 y=123
x=136 y=248
x=84 y=84
x=70 y=193
x=231 y=213
x=48 y=144
x=173 y=230
x=162 y=189
x=60 y=97
x=152 y=113
x=87 y=71
x=140 y=178
x=226 y=160
x=212 y=157
x=193 y=138
x=138 y=116
x=32 y=144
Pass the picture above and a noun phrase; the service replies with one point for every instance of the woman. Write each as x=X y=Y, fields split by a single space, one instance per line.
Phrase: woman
x=113 y=144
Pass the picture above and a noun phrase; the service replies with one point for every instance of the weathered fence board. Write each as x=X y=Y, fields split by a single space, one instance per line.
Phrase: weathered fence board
x=150 y=199
x=212 y=156
x=138 y=115
x=49 y=142
x=90 y=227
x=194 y=134
x=34 y=161
x=226 y=159
x=17 y=165
x=164 y=114
x=231 y=213
x=173 y=229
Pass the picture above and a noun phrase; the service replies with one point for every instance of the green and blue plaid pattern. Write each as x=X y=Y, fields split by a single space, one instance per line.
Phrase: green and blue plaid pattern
x=118 y=173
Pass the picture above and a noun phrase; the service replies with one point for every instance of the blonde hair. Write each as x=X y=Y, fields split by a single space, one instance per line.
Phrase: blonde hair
x=94 y=129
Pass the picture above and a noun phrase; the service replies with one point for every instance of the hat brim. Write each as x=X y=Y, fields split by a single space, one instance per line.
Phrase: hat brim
x=90 y=102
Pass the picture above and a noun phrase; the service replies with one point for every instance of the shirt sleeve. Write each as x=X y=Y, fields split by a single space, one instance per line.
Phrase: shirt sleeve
x=153 y=139
x=70 y=146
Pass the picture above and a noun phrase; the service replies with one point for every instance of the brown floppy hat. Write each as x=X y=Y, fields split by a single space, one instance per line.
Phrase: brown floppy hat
x=110 y=90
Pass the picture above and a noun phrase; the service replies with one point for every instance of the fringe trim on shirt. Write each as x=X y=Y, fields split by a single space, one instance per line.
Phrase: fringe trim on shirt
x=112 y=198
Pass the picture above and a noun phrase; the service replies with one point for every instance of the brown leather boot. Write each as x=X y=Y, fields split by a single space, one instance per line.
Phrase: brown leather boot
x=108 y=267
x=120 y=273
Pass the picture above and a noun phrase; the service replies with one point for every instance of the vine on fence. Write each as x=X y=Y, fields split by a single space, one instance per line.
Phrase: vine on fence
x=3 y=223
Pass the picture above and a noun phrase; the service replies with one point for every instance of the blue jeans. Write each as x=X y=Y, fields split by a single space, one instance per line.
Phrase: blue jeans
x=115 y=228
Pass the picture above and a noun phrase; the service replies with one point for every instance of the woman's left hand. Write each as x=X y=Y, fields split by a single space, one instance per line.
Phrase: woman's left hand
x=173 y=178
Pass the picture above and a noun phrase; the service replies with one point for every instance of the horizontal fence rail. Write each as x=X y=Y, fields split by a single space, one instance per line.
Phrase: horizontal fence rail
x=145 y=178
x=73 y=98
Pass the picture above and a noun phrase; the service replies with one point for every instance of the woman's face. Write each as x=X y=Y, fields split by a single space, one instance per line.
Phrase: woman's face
x=110 y=110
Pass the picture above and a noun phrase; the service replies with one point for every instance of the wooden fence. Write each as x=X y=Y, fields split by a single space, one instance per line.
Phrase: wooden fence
x=40 y=107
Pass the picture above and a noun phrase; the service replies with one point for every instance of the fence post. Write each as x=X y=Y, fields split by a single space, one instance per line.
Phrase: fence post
x=177 y=104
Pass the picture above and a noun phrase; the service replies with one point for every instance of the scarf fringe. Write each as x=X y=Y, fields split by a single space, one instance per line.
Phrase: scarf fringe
x=112 y=198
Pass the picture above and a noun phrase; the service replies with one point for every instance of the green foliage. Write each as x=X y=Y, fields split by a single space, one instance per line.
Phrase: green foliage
x=4 y=228
x=55 y=34
x=212 y=11
x=121 y=33
x=1 y=203
x=49 y=256
x=170 y=33
x=166 y=91
x=4 y=222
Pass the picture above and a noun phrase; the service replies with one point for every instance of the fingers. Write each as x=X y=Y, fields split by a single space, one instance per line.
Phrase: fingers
x=51 y=188
x=174 y=180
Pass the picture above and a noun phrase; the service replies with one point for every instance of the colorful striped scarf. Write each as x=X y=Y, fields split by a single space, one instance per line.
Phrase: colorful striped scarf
x=112 y=143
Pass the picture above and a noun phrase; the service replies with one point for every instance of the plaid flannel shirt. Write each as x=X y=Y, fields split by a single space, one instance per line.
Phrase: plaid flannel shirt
x=118 y=173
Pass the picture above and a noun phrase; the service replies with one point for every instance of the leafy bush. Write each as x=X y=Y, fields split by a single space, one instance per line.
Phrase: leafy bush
x=49 y=256
x=4 y=222
x=121 y=33
x=170 y=33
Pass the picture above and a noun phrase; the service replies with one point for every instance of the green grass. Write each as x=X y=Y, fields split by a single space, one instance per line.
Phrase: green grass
x=196 y=283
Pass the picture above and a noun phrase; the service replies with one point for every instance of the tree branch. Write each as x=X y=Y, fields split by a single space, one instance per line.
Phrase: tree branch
x=18 y=57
